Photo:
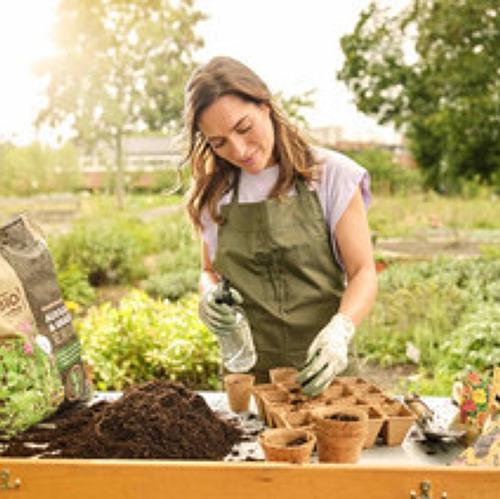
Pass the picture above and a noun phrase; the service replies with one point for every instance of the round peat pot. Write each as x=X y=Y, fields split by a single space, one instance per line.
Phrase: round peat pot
x=340 y=433
x=238 y=388
x=291 y=445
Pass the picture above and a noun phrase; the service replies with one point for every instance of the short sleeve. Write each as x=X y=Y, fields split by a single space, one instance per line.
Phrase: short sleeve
x=339 y=179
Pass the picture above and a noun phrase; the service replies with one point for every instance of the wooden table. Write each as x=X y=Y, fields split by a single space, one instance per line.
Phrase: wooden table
x=382 y=473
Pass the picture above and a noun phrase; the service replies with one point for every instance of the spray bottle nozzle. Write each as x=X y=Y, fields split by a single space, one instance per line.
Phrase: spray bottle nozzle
x=226 y=296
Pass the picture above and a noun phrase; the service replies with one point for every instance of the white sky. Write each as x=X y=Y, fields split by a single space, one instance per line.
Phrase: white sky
x=292 y=45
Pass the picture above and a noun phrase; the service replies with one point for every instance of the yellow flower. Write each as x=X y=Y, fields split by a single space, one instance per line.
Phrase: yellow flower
x=479 y=397
x=72 y=306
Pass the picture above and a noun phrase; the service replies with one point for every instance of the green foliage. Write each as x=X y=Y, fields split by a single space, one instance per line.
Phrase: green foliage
x=107 y=251
x=445 y=308
x=173 y=180
x=388 y=177
x=294 y=106
x=75 y=286
x=475 y=345
x=30 y=386
x=472 y=188
x=172 y=286
x=102 y=205
x=145 y=338
x=178 y=262
x=178 y=245
x=490 y=251
x=115 y=250
x=432 y=71
x=35 y=169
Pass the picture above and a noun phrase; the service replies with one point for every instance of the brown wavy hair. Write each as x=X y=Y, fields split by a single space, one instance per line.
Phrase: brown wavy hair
x=213 y=176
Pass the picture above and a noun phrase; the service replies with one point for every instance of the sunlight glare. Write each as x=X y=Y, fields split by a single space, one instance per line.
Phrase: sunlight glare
x=24 y=40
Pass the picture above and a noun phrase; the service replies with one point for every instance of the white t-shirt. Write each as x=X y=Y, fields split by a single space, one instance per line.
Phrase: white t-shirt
x=339 y=177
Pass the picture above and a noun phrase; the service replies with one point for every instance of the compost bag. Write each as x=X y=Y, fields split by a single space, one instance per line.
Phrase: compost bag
x=40 y=354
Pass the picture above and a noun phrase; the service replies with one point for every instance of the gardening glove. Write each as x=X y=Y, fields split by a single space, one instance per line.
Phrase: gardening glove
x=327 y=355
x=216 y=308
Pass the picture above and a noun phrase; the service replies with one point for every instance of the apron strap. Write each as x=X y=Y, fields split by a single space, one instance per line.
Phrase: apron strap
x=236 y=191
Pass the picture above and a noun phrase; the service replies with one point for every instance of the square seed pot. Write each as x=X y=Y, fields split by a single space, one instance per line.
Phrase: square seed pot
x=399 y=420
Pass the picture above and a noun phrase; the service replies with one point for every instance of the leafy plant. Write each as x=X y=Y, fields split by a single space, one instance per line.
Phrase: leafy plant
x=475 y=345
x=30 y=386
x=490 y=251
x=105 y=250
x=447 y=310
x=144 y=338
x=172 y=286
x=177 y=268
x=386 y=175
x=75 y=286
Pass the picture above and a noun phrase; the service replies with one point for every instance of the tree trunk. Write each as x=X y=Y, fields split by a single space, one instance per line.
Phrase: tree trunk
x=119 y=177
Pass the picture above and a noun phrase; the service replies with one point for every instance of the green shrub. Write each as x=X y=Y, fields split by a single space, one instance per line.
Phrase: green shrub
x=445 y=308
x=178 y=263
x=172 y=286
x=387 y=176
x=75 y=286
x=490 y=251
x=475 y=345
x=143 y=338
x=174 y=233
x=34 y=169
x=107 y=251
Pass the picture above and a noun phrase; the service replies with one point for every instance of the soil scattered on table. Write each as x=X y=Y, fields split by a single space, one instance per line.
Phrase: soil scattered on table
x=156 y=420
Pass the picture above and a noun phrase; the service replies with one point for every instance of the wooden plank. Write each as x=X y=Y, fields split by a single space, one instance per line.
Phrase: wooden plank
x=89 y=479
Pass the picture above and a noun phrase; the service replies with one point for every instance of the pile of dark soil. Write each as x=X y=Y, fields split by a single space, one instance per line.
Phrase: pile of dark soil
x=156 y=420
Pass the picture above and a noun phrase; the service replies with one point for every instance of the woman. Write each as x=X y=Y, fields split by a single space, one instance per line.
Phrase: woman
x=283 y=222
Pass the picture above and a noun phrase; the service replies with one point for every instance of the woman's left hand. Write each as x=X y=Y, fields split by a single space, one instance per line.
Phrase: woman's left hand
x=327 y=355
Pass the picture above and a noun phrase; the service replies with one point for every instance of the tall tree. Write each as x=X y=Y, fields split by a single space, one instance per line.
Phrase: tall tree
x=121 y=67
x=433 y=70
x=295 y=105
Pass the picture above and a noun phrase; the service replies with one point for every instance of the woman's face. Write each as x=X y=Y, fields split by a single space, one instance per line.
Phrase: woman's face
x=239 y=131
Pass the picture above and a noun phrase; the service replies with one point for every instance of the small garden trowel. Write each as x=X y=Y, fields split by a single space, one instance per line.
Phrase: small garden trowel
x=429 y=428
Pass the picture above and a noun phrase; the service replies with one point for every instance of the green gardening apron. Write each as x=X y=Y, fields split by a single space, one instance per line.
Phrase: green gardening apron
x=277 y=253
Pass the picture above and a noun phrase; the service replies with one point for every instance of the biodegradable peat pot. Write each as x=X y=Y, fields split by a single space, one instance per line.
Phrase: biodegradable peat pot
x=399 y=420
x=341 y=433
x=271 y=398
x=276 y=414
x=292 y=445
x=376 y=420
x=238 y=388
x=332 y=392
x=283 y=375
x=344 y=401
x=298 y=419
x=257 y=391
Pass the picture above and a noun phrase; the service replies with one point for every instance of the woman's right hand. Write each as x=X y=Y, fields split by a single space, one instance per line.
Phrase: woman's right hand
x=217 y=315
